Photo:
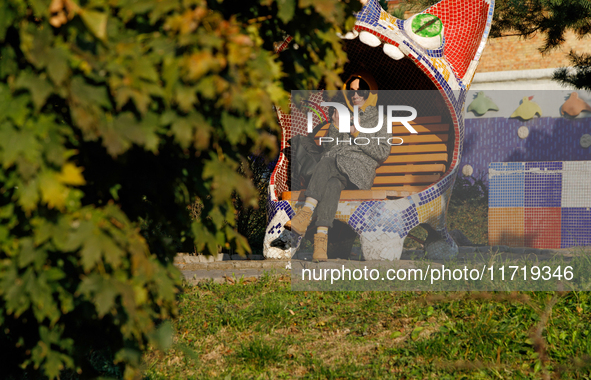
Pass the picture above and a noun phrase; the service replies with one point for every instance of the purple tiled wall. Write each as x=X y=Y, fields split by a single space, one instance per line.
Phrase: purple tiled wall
x=550 y=139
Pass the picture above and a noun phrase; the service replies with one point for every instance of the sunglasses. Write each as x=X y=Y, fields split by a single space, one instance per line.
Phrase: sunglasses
x=362 y=93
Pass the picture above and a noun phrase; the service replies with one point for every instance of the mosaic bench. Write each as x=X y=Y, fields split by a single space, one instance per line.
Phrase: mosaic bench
x=398 y=59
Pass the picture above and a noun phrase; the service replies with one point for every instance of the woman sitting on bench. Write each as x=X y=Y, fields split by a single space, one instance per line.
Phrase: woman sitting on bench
x=343 y=164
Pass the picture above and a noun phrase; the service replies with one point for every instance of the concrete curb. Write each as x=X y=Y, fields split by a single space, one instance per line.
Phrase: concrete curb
x=225 y=268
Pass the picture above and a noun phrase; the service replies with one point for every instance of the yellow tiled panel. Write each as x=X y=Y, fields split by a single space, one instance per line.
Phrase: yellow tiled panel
x=431 y=213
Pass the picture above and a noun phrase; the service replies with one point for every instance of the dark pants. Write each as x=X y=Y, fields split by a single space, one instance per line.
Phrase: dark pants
x=325 y=186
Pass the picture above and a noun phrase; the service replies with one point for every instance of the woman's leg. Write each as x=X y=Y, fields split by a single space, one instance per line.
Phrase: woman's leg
x=325 y=171
x=329 y=202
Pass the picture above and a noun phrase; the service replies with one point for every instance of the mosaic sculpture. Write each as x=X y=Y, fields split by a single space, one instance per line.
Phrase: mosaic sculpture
x=527 y=110
x=435 y=50
x=481 y=105
x=540 y=204
x=574 y=106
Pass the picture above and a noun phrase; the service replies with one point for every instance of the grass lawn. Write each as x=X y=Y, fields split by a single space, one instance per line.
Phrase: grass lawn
x=263 y=330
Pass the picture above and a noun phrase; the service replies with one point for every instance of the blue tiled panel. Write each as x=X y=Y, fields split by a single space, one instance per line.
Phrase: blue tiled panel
x=274 y=207
x=551 y=165
x=543 y=190
x=411 y=218
x=357 y=221
x=507 y=166
x=506 y=190
x=495 y=139
x=576 y=227
x=428 y=195
x=371 y=14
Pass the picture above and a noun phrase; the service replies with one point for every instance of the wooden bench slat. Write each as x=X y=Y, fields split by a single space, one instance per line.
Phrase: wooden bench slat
x=405 y=188
x=408 y=139
x=401 y=130
x=426 y=128
x=345 y=195
x=427 y=120
x=411 y=158
x=418 y=139
x=405 y=179
x=419 y=148
x=420 y=168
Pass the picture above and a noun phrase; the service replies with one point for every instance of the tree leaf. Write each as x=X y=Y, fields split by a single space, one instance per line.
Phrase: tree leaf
x=53 y=193
x=185 y=97
x=286 y=10
x=28 y=195
x=57 y=65
x=71 y=175
x=88 y=94
x=39 y=88
x=182 y=130
x=18 y=109
x=96 y=22
x=6 y=18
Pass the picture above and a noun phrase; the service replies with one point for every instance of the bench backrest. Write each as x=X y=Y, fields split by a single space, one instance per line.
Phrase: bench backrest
x=411 y=167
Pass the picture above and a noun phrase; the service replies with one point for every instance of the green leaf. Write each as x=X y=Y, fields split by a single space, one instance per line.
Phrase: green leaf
x=6 y=18
x=236 y=128
x=96 y=22
x=162 y=336
x=145 y=70
x=415 y=333
x=202 y=133
x=36 y=43
x=57 y=65
x=8 y=63
x=105 y=297
x=28 y=254
x=40 y=8
x=18 y=109
x=15 y=142
x=185 y=97
x=39 y=88
x=286 y=10
x=90 y=255
x=28 y=195
x=182 y=129
x=225 y=179
x=88 y=94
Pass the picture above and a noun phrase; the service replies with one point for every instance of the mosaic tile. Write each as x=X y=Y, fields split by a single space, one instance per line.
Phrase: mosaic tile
x=551 y=209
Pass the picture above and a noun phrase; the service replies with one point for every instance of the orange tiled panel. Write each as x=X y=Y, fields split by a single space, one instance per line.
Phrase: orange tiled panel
x=542 y=227
x=506 y=226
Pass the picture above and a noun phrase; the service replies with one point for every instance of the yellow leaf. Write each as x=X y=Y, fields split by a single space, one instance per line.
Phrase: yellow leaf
x=52 y=191
x=71 y=175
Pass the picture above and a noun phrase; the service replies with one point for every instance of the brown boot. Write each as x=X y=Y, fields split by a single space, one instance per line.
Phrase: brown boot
x=320 y=247
x=300 y=222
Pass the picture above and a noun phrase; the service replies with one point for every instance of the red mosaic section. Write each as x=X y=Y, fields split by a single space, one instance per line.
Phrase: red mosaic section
x=464 y=22
x=542 y=227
